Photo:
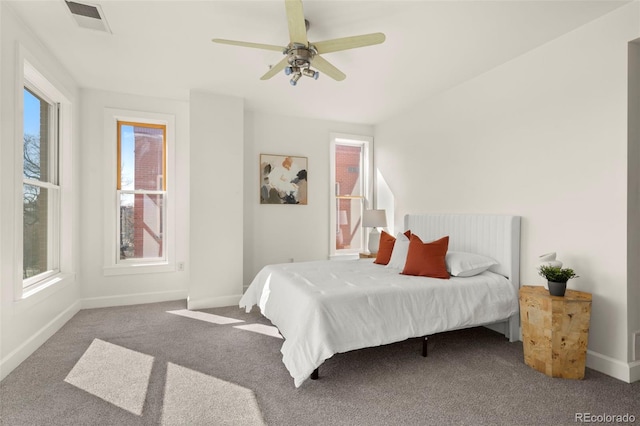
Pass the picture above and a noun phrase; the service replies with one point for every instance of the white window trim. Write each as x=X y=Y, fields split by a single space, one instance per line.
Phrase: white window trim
x=367 y=142
x=31 y=73
x=54 y=208
x=111 y=225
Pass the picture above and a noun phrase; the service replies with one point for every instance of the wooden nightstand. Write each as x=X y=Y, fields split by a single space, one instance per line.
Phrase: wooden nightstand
x=555 y=331
x=368 y=255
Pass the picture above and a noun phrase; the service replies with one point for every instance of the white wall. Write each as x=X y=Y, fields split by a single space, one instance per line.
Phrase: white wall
x=543 y=136
x=97 y=288
x=217 y=176
x=26 y=324
x=278 y=233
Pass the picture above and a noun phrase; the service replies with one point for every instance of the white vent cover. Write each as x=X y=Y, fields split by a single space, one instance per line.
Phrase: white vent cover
x=88 y=16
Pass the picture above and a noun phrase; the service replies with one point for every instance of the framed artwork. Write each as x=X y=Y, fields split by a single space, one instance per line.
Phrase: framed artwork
x=283 y=179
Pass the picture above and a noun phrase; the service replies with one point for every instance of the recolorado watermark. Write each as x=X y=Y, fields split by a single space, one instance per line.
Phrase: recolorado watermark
x=604 y=418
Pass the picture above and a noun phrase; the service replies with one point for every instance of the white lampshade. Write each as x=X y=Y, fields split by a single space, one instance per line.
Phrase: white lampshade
x=374 y=218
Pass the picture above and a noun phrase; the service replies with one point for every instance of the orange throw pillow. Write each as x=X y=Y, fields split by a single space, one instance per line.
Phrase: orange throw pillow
x=427 y=260
x=385 y=248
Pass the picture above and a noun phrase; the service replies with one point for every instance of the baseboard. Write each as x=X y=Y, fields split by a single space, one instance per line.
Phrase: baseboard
x=22 y=352
x=133 y=299
x=627 y=372
x=213 y=302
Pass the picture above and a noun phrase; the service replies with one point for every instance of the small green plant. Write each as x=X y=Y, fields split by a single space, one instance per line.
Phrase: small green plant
x=555 y=274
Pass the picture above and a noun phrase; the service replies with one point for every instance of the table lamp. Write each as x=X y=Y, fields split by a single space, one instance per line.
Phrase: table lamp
x=373 y=219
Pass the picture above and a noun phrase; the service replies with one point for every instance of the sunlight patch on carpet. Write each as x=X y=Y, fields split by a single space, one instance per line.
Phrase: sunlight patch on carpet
x=210 y=401
x=203 y=316
x=268 y=330
x=118 y=375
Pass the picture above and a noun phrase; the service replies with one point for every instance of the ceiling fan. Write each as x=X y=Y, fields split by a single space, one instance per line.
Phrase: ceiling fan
x=300 y=54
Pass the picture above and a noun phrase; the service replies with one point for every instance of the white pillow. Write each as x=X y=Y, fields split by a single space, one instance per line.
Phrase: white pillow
x=461 y=264
x=399 y=253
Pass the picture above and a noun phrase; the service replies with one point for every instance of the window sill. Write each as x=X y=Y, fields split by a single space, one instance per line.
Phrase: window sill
x=140 y=268
x=39 y=292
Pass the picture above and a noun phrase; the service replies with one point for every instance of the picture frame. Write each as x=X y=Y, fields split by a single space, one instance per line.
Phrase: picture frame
x=283 y=179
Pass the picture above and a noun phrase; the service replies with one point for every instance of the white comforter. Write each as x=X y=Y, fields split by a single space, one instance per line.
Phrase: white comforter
x=327 y=307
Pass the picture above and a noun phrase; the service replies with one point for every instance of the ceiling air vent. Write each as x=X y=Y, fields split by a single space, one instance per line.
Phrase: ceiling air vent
x=88 y=16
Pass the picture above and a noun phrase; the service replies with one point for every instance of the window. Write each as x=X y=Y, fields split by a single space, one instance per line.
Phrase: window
x=351 y=190
x=139 y=212
x=141 y=192
x=40 y=186
x=44 y=190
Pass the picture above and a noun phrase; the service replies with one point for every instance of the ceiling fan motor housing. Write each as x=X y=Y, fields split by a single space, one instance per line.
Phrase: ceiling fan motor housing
x=300 y=56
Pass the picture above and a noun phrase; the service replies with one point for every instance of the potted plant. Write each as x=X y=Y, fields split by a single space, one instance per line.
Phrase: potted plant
x=557 y=278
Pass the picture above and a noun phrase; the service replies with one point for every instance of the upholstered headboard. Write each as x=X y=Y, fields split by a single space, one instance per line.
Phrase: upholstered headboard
x=496 y=236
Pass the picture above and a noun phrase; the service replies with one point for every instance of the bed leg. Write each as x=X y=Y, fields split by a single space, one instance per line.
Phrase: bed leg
x=314 y=375
x=424 y=346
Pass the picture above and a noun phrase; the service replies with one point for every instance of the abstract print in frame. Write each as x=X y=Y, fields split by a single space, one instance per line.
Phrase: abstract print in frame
x=283 y=179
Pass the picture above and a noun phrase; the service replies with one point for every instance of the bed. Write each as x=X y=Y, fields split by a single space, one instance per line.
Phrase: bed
x=327 y=307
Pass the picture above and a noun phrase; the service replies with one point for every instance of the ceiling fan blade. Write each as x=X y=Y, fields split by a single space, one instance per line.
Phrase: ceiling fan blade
x=324 y=66
x=345 y=43
x=275 y=69
x=247 y=44
x=295 y=20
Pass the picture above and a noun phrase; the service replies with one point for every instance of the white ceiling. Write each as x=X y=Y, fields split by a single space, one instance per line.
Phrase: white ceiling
x=164 y=48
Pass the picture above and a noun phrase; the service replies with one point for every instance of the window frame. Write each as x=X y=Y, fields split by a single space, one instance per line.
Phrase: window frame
x=120 y=191
x=51 y=184
x=31 y=75
x=113 y=265
x=366 y=142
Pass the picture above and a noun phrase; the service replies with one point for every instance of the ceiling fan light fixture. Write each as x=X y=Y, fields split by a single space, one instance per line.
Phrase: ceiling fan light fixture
x=295 y=78
x=311 y=73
